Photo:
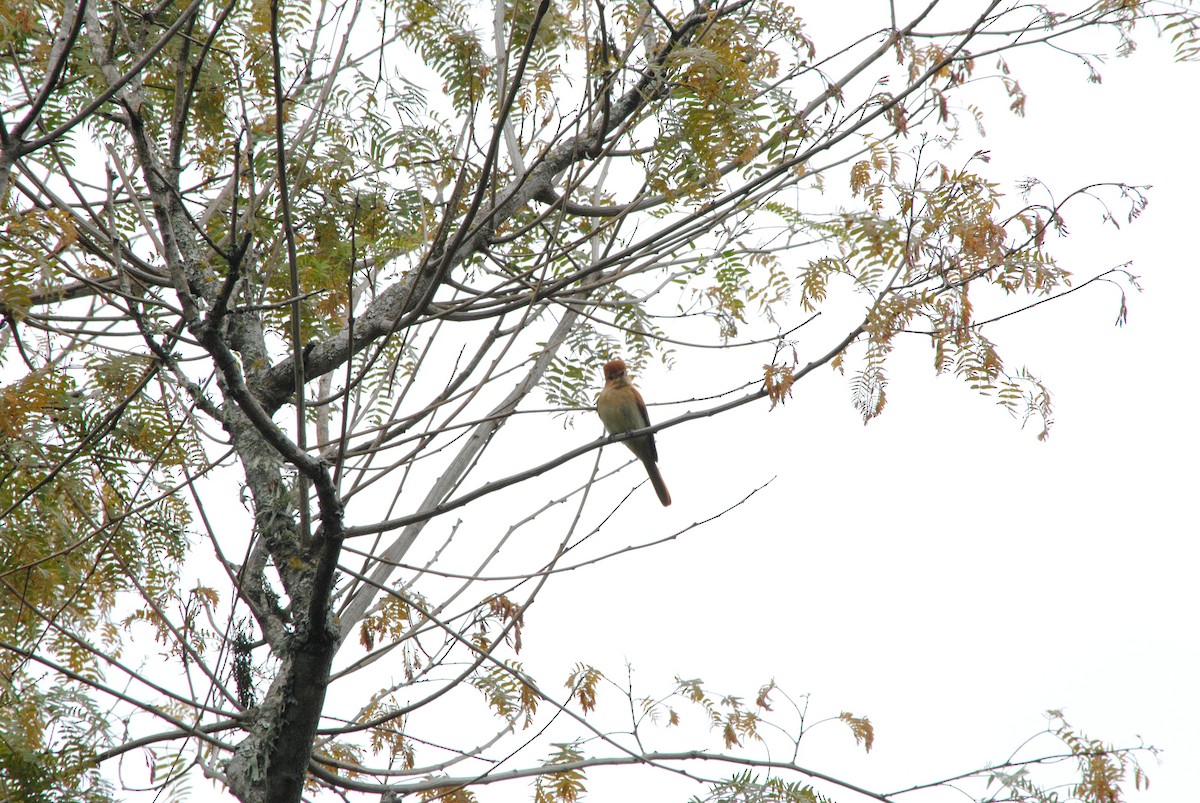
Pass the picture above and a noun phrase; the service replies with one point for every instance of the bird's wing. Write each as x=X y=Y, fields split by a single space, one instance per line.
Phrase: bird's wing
x=641 y=404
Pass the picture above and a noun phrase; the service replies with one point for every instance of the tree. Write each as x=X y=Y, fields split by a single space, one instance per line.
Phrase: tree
x=276 y=278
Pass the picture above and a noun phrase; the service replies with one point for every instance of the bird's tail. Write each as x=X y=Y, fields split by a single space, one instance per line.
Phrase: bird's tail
x=656 y=480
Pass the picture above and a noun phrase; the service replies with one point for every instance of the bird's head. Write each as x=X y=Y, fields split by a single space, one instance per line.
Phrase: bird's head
x=614 y=369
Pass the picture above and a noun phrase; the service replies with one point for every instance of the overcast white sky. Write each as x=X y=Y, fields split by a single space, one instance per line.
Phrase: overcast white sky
x=992 y=577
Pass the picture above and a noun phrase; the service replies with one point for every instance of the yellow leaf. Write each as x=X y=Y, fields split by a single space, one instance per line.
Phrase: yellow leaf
x=861 y=727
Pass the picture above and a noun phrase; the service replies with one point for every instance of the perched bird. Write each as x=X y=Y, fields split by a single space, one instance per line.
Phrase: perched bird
x=622 y=409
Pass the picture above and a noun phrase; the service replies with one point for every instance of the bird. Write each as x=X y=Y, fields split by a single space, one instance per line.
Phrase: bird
x=622 y=409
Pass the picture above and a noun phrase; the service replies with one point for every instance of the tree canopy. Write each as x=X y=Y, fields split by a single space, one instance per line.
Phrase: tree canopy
x=278 y=279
